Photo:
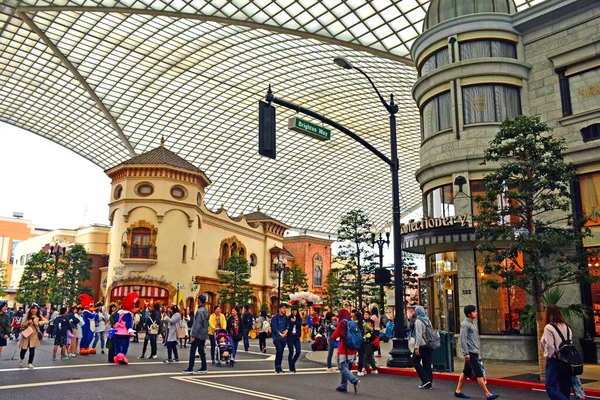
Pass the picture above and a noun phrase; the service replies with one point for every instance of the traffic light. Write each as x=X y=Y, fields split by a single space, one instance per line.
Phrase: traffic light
x=266 y=129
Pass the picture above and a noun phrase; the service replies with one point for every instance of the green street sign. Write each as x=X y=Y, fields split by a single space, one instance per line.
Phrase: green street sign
x=310 y=129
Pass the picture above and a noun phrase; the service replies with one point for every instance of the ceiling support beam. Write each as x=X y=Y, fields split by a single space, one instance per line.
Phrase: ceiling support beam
x=79 y=78
x=221 y=20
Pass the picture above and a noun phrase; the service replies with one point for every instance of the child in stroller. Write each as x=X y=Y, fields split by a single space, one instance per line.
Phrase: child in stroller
x=224 y=348
x=320 y=343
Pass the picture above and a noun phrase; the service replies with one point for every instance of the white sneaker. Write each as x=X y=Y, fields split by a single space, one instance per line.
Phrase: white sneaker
x=30 y=366
x=360 y=374
x=375 y=372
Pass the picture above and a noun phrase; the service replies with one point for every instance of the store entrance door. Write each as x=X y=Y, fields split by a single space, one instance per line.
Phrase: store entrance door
x=438 y=295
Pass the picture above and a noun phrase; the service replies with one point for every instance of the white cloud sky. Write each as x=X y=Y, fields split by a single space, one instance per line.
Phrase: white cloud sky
x=50 y=184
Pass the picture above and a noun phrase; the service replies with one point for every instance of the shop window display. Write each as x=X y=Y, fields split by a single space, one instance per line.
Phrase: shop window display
x=478 y=189
x=498 y=308
x=438 y=290
x=594 y=265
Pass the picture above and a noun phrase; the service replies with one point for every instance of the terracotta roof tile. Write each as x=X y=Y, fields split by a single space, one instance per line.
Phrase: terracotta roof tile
x=162 y=156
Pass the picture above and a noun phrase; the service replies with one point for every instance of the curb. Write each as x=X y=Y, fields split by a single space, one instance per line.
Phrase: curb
x=445 y=376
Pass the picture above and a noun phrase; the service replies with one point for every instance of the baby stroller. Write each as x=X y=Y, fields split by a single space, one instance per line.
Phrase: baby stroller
x=223 y=348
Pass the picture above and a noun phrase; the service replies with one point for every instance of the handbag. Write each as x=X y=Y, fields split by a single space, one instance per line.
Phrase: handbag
x=181 y=330
x=27 y=332
x=153 y=327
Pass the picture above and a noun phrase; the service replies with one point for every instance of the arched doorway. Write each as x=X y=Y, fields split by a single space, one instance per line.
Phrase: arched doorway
x=274 y=305
x=190 y=305
x=210 y=302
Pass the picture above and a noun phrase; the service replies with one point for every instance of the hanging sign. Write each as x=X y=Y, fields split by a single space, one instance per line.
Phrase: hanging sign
x=310 y=129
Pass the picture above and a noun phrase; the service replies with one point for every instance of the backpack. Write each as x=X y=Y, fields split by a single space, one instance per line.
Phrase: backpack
x=571 y=361
x=266 y=326
x=432 y=338
x=60 y=325
x=353 y=336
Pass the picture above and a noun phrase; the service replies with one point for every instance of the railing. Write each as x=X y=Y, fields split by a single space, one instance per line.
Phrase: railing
x=146 y=252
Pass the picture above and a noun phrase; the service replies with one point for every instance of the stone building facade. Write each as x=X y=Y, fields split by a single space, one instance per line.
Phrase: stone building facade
x=480 y=63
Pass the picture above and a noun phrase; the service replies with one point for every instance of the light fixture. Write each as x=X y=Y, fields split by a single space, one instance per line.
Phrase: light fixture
x=388 y=229
x=373 y=229
x=342 y=62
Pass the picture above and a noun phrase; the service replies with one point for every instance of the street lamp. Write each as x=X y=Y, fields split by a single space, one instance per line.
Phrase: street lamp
x=279 y=265
x=380 y=242
x=400 y=354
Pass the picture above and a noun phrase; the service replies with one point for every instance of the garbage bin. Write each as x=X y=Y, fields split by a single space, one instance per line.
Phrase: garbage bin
x=442 y=359
x=589 y=350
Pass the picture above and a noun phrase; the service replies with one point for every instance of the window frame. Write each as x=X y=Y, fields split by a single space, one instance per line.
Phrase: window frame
x=436 y=98
x=490 y=47
x=317 y=265
x=496 y=118
x=435 y=56
x=426 y=194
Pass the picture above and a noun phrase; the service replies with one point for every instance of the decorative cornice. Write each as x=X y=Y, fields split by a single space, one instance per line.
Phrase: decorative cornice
x=157 y=171
x=210 y=220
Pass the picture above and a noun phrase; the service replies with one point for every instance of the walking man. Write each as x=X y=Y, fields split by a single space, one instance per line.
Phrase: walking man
x=280 y=324
x=198 y=337
x=247 y=324
x=469 y=340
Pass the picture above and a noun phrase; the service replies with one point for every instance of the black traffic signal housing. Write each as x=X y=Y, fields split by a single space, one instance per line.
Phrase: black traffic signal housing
x=266 y=129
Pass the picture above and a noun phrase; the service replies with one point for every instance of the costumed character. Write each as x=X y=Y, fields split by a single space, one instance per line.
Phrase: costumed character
x=89 y=324
x=123 y=328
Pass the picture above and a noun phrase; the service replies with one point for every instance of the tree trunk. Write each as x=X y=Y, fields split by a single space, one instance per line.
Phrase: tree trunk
x=539 y=322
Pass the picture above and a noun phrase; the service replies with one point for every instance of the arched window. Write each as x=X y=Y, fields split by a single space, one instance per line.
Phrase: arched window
x=242 y=252
x=193 y=250
x=184 y=254
x=140 y=238
x=224 y=255
x=233 y=248
x=318 y=270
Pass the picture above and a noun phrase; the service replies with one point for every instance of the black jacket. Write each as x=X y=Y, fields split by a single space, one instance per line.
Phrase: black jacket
x=298 y=325
x=247 y=321
x=237 y=336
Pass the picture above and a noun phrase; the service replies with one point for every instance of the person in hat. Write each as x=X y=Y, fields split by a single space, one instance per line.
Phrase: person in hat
x=4 y=325
x=280 y=324
x=123 y=328
x=88 y=328
x=198 y=337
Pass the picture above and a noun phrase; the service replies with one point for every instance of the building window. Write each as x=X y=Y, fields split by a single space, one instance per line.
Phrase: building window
x=490 y=103
x=184 y=254
x=318 y=270
x=594 y=265
x=478 y=189
x=178 y=192
x=193 y=250
x=439 y=202
x=584 y=91
x=499 y=309
x=144 y=189
x=253 y=260
x=199 y=199
x=487 y=49
x=140 y=242
x=437 y=115
x=434 y=61
x=589 y=189
x=443 y=262
x=118 y=192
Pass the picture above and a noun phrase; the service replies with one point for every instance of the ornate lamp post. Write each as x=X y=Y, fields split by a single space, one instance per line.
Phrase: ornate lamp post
x=279 y=265
x=380 y=242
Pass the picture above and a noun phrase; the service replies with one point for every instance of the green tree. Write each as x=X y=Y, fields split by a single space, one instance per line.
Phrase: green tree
x=525 y=226
x=332 y=292
x=295 y=280
x=235 y=278
x=34 y=285
x=76 y=268
x=3 y=280
x=356 y=253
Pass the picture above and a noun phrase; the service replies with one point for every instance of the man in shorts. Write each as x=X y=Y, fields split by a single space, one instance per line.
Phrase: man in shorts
x=469 y=340
x=61 y=327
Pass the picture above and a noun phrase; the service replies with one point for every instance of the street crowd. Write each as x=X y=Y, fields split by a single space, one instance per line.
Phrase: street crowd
x=355 y=333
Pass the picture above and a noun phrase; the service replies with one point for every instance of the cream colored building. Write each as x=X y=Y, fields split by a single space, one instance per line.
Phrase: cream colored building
x=168 y=247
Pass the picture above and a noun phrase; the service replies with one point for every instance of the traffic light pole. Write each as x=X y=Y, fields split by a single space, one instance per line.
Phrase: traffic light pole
x=400 y=354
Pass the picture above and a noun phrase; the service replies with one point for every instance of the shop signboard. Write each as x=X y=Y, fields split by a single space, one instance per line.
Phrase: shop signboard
x=431 y=223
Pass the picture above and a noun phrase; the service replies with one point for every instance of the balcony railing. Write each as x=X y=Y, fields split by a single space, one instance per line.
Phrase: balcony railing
x=143 y=252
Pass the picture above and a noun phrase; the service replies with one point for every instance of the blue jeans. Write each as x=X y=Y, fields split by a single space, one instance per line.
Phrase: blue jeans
x=279 y=348
x=347 y=376
x=557 y=387
x=330 y=350
x=245 y=334
x=234 y=345
x=197 y=344
x=98 y=335
x=293 y=343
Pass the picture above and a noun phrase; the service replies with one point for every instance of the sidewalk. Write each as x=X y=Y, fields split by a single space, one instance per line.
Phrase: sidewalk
x=522 y=373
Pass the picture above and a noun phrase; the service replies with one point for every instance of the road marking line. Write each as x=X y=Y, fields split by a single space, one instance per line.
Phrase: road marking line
x=241 y=374
x=84 y=380
x=233 y=389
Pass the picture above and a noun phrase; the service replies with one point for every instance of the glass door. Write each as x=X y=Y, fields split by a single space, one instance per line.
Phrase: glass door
x=445 y=316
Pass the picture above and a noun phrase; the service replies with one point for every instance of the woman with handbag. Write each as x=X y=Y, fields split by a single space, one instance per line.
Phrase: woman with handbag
x=31 y=334
x=172 y=322
x=234 y=330
x=153 y=328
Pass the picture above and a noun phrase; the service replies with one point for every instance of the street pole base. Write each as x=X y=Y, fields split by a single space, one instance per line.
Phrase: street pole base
x=400 y=355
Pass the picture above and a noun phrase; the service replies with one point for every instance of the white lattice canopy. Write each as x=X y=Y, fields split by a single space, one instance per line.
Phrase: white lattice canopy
x=107 y=79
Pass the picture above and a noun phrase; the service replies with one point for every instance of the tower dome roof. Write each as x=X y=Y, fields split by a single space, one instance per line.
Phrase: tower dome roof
x=444 y=10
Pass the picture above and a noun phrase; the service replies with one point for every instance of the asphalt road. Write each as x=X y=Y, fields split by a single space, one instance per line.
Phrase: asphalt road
x=91 y=377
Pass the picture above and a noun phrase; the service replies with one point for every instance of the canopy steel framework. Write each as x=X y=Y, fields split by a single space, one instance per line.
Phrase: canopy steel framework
x=108 y=78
